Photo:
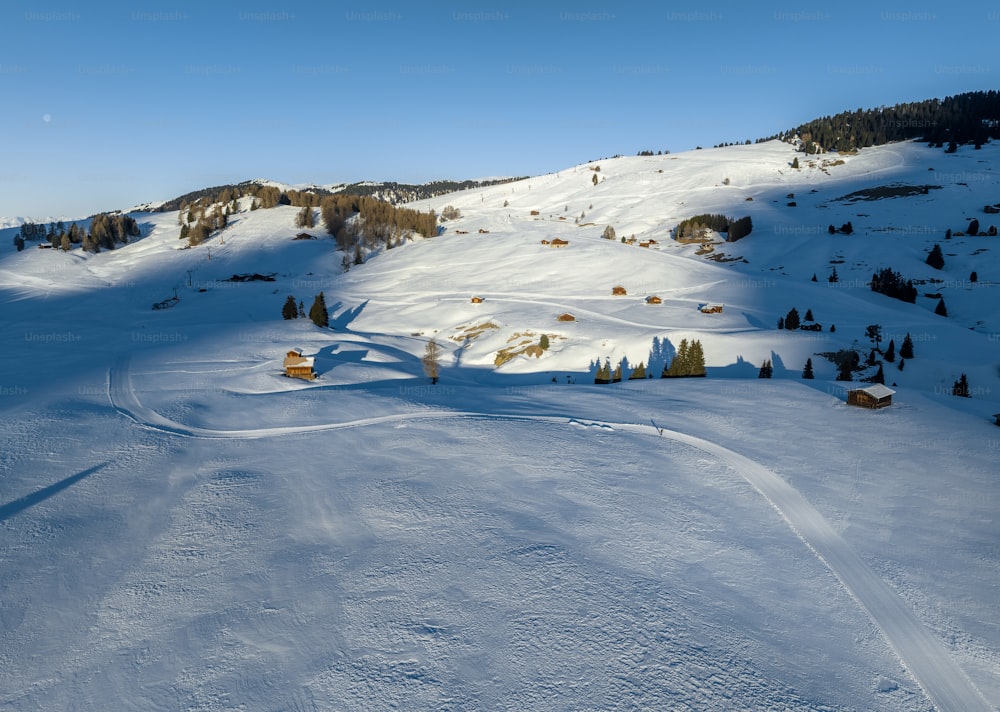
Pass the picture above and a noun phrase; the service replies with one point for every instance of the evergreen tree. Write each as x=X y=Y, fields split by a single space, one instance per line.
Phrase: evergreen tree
x=807 y=372
x=833 y=276
x=814 y=277
x=973 y=277
x=795 y=162
x=961 y=387
x=973 y=228
x=890 y=351
x=941 y=309
x=766 y=369
x=544 y=342
x=431 y=361
x=781 y=322
x=844 y=371
x=902 y=363
x=302 y=310
x=595 y=179
x=290 y=309
x=792 y=319
x=616 y=376
x=947 y=234
x=696 y=359
x=879 y=377
x=678 y=366
x=809 y=314
x=318 y=313
x=934 y=258
x=873 y=332
x=609 y=232
x=639 y=372
x=833 y=328
x=603 y=374
x=906 y=350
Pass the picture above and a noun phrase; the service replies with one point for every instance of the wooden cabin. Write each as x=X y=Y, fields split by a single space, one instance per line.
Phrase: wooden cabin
x=711 y=309
x=643 y=244
x=566 y=317
x=477 y=300
x=558 y=242
x=299 y=366
x=483 y=232
x=873 y=396
x=996 y=417
x=618 y=291
x=534 y=212
x=653 y=300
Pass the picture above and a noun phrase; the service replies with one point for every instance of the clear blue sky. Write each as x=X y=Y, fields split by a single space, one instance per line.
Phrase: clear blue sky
x=109 y=104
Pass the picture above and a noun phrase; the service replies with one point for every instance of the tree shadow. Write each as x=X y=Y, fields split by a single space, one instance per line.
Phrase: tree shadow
x=344 y=319
x=19 y=505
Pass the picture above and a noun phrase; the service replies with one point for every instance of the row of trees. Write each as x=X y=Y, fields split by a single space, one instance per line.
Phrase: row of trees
x=972 y=117
x=318 y=313
x=698 y=226
x=689 y=360
x=107 y=230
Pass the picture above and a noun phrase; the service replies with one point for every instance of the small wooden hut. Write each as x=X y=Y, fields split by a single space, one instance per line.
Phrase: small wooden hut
x=873 y=396
x=618 y=291
x=477 y=300
x=558 y=242
x=566 y=316
x=299 y=366
x=653 y=299
x=711 y=309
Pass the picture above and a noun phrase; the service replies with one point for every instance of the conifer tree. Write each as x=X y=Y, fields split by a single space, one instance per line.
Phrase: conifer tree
x=289 y=310
x=766 y=369
x=792 y=319
x=961 y=387
x=973 y=228
x=696 y=359
x=844 y=371
x=809 y=315
x=639 y=372
x=678 y=366
x=973 y=277
x=906 y=350
x=781 y=322
x=302 y=310
x=814 y=278
x=318 y=313
x=595 y=179
x=902 y=363
x=941 y=309
x=833 y=275
x=603 y=374
x=879 y=376
x=807 y=372
x=431 y=361
x=890 y=351
x=833 y=328
x=935 y=258
x=543 y=342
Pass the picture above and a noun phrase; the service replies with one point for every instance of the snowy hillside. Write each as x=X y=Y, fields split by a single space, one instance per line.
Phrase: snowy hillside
x=183 y=527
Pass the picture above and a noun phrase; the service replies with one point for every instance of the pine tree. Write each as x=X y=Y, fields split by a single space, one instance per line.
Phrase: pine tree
x=941 y=309
x=795 y=162
x=902 y=363
x=544 y=342
x=318 y=313
x=289 y=310
x=792 y=319
x=809 y=315
x=973 y=228
x=879 y=377
x=807 y=372
x=934 y=258
x=890 y=351
x=595 y=179
x=833 y=275
x=696 y=359
x=603 y=374
x=302 y=310
x=678 y=366
x=961 y=387
x=844 y=371
x=973 y=277
x=766 y=369
x=814 y=277
x=431 y=361
x=639 y=372
x=906 y=350
x=781 y=322
x=833 y=328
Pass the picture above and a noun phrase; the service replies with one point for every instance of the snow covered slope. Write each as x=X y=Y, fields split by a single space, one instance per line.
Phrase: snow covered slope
x=182 y=527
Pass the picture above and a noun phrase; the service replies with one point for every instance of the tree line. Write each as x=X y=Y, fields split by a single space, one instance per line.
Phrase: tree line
x=107 y=230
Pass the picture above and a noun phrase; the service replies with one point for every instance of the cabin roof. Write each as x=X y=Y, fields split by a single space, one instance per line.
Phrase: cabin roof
x=876 y=390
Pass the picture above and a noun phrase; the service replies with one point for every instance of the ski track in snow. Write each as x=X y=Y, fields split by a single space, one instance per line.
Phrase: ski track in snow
x=919 y=651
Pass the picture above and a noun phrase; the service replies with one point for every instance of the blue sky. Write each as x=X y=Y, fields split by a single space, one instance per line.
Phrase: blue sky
x=108 y=106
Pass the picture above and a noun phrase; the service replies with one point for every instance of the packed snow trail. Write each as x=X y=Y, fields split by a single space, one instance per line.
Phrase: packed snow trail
x=920 y=652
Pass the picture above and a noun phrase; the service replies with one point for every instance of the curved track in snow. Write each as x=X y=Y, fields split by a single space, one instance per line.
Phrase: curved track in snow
x=919 y=651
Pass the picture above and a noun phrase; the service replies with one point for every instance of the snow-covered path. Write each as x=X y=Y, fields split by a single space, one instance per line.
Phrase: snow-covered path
x=923 y=655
